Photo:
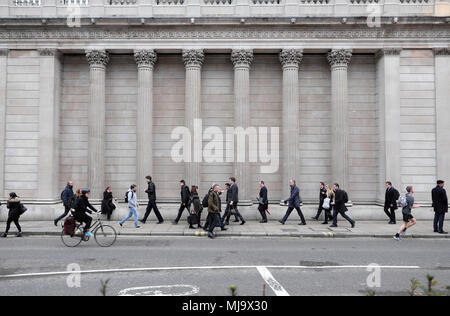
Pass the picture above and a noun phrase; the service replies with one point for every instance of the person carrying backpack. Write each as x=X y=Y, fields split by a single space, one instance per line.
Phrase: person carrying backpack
x=67 y=197
x=407 y=203
x=133 y=205
x=16 y=209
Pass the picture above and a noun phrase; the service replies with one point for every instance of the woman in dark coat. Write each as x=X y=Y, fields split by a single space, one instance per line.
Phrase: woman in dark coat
x=108 y=204
x=196 y=204
x=15 y=210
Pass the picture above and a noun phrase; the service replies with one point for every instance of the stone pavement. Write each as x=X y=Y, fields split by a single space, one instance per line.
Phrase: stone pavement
x=369 y=229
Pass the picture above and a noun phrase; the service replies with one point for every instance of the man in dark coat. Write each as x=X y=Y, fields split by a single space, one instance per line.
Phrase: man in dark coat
x=15 y=210
x=235 y=200
x=67 y=197
x=390 y=202
x=151 y=192
x=294 y=202
x=440 y=206
x=340 y=198
x=185 y=200
x=263 y=202
x=322 y=196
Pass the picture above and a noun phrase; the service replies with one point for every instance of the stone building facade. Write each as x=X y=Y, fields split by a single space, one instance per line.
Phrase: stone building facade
x=92 y=92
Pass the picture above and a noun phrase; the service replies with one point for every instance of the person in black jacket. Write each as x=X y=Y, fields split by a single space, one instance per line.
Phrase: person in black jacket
x=263 y=201
x=235 y=200
x=196 y=205
x=151 y=192
x=185 y=200
x=82 y=206
x=67 y=197
x=108 y=205
x=390 y=203
x=340 y=198
x=15 y=210
x=322 y=196
x=440 y=206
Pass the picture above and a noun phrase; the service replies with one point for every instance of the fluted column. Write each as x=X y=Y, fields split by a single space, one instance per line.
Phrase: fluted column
x=145 y=60
x=193 y=60
x=339 y=61
x=3 y=79
x=98 y=61
x=442 y=75
x=242 y=60
x=290 y=60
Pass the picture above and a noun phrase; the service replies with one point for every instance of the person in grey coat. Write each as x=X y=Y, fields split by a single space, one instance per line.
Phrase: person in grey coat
x=294 y=203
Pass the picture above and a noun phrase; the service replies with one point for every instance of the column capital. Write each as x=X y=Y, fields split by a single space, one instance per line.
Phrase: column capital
x=291 y=57
x=339 y=57
x=4 y=52
x=242 y=57
x=97 y=58
x=193 y=57
x=145 y=58
x=441 y=51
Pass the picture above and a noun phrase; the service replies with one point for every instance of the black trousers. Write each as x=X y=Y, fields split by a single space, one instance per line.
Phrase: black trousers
x=180 y=211
x=213 y=220
x=152 y=206
x=390 y=212
x=83 y=218
x=262 y=210
x=439 y=222
x=237 y=214
x=328 y=215
x=335 y=214
x=66 y=212
x=299 y=212
x=16 y=222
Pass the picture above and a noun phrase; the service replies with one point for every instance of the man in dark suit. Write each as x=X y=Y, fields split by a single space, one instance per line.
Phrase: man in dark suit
x=151 y=192
x=235 y=200
x=440 y=205
x=339 y=207
x=390 y=202
x=185 y=199
x=322 y=196
x=263 y=202
x=294 y=202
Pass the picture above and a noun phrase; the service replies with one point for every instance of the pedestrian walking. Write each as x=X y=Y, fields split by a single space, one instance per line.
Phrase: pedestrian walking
x=322 y=196
x=294 y=203
x=263 y=201
x=220 y=223
x=407 y=204
x=67 y=197
x=227 y=214
x=151 y=192
x=81 y=207
x=235 y=201
x=185 y=199
x=440 y=206
x=327 y=206
x=196 y=207
x=16 y=209
x=213 y=210
x=390 y=202
x=339 y=207
x=108 y=205
x=131 y=199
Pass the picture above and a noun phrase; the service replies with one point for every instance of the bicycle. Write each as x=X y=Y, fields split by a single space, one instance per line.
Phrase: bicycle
x=104 y=235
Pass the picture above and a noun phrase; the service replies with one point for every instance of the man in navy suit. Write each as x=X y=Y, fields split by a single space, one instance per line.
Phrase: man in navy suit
x=294 y=202
x=263 y=202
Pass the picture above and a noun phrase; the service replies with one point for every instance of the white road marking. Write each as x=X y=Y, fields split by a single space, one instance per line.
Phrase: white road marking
x=124 y=270
x=161 y=290
x=270 y=280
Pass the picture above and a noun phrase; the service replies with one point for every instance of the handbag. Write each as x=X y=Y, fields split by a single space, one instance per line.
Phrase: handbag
x=326 y=203
x=23 y=209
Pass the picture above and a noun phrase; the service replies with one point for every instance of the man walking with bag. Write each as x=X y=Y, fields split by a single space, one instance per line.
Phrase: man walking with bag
x=67 y=197
x=294 y=202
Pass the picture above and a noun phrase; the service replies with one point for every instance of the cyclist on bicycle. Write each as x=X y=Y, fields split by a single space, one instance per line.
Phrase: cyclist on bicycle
x=82 y=207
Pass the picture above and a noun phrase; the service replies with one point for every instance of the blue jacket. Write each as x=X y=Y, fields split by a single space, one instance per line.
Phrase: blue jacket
x=67 y=195
x=294 y=199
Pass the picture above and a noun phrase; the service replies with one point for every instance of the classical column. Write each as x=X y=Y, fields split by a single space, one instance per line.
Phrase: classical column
x=49 y=99
x=97 y=59
x=145 y=60
x=442 y=75
x=3 y=80
x=242 y=60
x=388 y=102
x=339 y=61
x=290 y=60
x=193 y=60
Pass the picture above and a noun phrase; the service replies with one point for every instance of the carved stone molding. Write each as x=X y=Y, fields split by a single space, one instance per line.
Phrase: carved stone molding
x=97 y=58
x=145 y=58
x=441 y=51
x=392 y=51
x=193 y=57
x=339 y=57
x=4 y=52
x=242 y=57
x=291 y=57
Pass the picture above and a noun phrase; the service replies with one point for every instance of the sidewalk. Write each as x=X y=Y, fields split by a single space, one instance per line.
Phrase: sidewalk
x=363 y=229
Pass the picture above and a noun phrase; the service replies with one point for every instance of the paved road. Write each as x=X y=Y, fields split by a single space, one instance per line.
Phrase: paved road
x=288 y=266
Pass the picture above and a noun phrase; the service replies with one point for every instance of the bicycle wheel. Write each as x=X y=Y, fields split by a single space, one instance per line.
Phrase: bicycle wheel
x=71 y=241
x=105 y=235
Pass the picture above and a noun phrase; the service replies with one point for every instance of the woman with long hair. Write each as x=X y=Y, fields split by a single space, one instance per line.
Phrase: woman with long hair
x=196 y=205
x=108 y=205
x=327 y=207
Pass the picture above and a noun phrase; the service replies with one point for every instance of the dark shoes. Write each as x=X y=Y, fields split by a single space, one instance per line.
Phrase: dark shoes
x=175 y=223
x=224 y=228
x=315 y=218
x=159 y=222
x=353 y=225
x=392 y=223
x=56 y=223
x=4 y=235
x=243 y=223
x=443 y=233
x=325 y=223
x=263 y=222
x=191 y=227
x=211 y=235
x=236 y=221
x=302 y=224
x=281 y=222
x=141 y=221
x=333 y=226
x=19 y=235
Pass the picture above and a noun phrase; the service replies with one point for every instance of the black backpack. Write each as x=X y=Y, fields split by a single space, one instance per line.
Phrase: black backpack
x=396 y=195
x=126 y=196
x=205 y=200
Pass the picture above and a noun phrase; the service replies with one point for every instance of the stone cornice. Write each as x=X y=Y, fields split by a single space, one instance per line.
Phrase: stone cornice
x=4 y=52
x=339 y=57
x=145 y=58
x=97 y=58
x=193 y=57
x=291 y=57
x=441 y=51
x=242 y=57
x=49 y=52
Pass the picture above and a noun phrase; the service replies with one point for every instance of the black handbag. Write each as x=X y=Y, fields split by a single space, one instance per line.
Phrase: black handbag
x=23 y=209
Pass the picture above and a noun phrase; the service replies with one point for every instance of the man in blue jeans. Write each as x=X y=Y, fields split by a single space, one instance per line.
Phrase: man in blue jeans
x=132 y=205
